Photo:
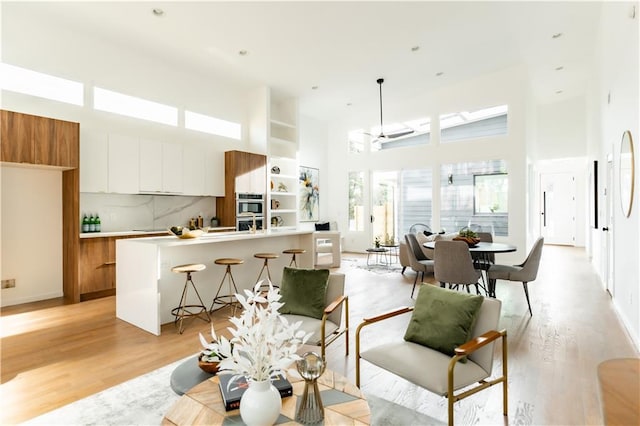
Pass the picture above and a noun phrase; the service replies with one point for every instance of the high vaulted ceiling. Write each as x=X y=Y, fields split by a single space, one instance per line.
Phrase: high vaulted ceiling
x=341 y=48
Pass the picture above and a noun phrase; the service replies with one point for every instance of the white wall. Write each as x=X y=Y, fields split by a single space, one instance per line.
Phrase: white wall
x=615 y=94
x=561 y=130
x=31 y=233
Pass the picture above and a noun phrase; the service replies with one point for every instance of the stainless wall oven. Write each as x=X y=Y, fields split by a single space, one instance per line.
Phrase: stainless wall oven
x=249 y=204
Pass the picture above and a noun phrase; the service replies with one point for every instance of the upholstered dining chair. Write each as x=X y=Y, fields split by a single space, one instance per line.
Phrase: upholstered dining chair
x=418 y=261
x=453 y=265
x=316 y=298
x=525 y=272
x=432 y=351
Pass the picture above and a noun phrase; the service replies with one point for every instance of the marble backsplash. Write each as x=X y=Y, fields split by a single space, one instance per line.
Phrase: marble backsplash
x=123 y=212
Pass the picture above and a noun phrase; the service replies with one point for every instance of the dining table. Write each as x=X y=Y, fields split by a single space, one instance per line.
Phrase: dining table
x=480 y=253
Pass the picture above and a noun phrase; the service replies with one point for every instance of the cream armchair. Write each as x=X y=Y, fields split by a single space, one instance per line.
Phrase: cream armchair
x=335 y=317
x=433 y=370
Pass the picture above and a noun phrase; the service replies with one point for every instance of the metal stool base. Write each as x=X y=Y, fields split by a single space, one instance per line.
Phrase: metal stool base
x=183 y=310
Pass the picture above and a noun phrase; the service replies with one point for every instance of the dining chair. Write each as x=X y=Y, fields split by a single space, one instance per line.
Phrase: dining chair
x=525 y=272
x=453 y=265
x=418 y=261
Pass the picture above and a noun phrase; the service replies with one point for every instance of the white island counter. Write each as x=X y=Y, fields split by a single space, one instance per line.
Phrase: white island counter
x=147 y=290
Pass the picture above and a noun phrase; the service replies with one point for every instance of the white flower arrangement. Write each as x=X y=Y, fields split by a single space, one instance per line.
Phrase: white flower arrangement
x=212 y=351
x=264 y=344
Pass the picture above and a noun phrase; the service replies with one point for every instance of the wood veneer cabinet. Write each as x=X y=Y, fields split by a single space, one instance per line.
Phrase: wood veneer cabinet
x=30 y=139
x=97 y=265
x=243 y=172
x=39 y=140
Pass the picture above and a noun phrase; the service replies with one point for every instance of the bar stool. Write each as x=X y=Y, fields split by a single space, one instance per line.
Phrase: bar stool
x=183 y=310
x=265 y=265
x=226 y=299
x=293 y=252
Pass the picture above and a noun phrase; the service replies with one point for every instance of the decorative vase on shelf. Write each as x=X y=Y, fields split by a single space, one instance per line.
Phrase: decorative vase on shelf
x=260 y=404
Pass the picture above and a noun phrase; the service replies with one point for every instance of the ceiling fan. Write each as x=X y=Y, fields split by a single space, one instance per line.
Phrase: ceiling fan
x=394 y=135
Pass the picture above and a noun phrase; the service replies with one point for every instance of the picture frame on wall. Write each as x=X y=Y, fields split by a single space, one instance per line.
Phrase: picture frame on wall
x=309 y=182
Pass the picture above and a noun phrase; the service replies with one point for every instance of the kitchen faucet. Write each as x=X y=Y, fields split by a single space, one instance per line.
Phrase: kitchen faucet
x=252 y=230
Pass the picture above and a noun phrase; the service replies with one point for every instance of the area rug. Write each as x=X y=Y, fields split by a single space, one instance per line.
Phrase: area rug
x=144 y=400
x=378 y=268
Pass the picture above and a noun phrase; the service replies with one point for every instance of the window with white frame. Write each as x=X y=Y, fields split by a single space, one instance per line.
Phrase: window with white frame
x=33 y=83
x=474 y=124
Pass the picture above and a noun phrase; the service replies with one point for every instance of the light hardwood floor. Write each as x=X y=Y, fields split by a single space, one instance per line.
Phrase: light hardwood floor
x=53 y=354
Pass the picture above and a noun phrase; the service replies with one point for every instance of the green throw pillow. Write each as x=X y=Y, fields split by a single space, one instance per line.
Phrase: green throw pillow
x=304 y=291
x=442 y=319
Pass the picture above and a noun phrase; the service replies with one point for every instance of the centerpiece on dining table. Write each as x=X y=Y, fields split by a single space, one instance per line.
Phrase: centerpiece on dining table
x=262 y=346
x=468 y=236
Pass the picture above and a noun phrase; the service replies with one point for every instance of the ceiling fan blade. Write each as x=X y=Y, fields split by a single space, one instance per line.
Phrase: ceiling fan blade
x=400 y=133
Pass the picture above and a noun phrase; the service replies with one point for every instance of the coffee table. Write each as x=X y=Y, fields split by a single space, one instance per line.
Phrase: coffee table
x=343 y=403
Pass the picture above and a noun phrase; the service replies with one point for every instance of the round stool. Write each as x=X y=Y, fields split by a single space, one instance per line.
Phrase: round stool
x=293 y=253
x=226 y=299
x=265 y=265
x=184 y=310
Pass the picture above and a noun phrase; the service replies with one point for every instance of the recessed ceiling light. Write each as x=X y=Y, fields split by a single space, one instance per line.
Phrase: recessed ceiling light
x=558 y=92
x=439 y=73
x=560 y=68
x=157 y=11
x=349 y=104
x=243 y=53
x=556 y=35
x=415 y=48
x=314 y=87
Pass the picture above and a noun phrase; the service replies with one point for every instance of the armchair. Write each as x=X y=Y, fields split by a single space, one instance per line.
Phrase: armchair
x=330 y=326
x=438 y=372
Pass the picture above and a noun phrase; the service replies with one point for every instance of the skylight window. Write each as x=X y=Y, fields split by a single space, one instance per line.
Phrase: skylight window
x=131 y=106
x=485 y=122
x=212 y=125
x=22 y=80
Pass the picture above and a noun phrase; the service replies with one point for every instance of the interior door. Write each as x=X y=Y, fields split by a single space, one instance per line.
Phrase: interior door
x=357 y=236
x=384 y=198
x=558 y=209
x=607 y=228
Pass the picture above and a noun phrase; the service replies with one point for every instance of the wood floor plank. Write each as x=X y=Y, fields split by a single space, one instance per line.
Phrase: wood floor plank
x=53 y=354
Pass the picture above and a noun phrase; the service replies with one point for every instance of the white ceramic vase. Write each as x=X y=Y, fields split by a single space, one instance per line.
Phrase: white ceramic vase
x=260 y=405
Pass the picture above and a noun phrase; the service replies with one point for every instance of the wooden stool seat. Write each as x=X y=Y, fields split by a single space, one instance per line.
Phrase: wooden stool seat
x=266 y=255
x=265 y=265
x=189 y=267
x=185 y=310
x=228 y=261
x=293 y=252
x=226 y=299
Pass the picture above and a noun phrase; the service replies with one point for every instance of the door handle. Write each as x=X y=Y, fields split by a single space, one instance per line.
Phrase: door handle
x=605 y=228
x=372 y=218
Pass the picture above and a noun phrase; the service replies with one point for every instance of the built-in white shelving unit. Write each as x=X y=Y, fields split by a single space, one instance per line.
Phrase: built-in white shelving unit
x=282 y=144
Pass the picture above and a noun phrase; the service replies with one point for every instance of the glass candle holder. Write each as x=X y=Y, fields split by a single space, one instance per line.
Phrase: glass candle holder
x=310 y=410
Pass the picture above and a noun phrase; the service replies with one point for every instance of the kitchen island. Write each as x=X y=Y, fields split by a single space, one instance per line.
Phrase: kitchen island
x=147 y=290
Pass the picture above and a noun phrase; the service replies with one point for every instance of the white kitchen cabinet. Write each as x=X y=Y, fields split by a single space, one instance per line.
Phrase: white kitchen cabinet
x=150 y=166
x=193 y=171
x=214 y=174
x=94 y=161
x=160 y=167
x=123 y=164
x=172 y=180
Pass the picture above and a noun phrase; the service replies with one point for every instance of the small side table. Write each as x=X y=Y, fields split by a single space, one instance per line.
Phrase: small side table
x=380 y=254
x=393 y=252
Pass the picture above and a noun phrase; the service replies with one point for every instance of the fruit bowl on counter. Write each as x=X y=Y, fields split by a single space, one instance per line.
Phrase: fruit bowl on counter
x=184 y=232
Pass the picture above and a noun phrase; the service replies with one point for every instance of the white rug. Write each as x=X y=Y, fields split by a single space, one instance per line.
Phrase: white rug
x=144 y=400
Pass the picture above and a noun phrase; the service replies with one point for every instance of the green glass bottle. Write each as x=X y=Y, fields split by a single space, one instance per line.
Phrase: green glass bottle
x=85 y=223
x=98 y=223
x=92 y=224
